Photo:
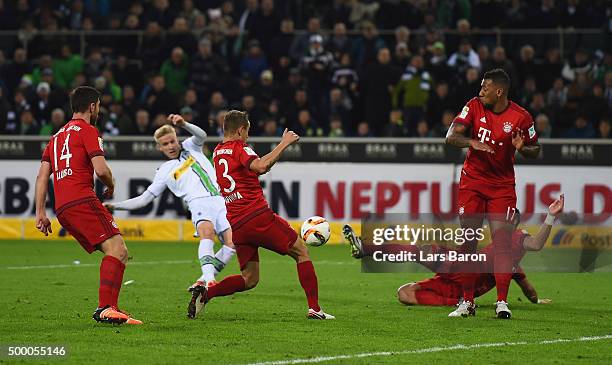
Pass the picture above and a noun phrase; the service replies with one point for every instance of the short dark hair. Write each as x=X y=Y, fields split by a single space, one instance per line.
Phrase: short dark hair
x=499 y=77
x=82 y=97
x=233 y=120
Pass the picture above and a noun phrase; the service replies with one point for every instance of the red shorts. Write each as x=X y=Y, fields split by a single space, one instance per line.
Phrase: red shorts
x=442 y=287
x=478 y=198
x=266 y=230
x=88 y=222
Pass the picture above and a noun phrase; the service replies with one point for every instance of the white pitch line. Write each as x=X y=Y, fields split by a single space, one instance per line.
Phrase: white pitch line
x=64 y=266
x=430 y=350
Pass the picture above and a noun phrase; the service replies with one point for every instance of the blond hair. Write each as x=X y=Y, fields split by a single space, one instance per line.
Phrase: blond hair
x=162 y=131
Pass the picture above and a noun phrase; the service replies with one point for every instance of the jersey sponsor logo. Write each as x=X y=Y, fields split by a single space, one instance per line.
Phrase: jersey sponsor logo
x=532 y=131
x=223 y=151
x=507 y=127
x=484 y=134
x=464 y=112
x=249 y=151
x=185 y=166
x=483 y=120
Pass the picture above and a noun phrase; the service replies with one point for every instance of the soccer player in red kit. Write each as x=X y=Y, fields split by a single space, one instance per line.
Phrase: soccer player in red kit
x=71 y=156
x=253 y=223
x=444 y=288
x=499 y=128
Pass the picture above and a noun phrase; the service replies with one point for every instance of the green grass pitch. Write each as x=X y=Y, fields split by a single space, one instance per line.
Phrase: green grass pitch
x=53 y=305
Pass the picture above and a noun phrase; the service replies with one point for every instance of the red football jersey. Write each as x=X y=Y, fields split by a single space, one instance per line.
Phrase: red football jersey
x=494 y=129
x=70 y=152
x=239 y=185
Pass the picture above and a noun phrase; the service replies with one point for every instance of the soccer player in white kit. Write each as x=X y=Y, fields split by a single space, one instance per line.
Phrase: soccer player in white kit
x=190 y=176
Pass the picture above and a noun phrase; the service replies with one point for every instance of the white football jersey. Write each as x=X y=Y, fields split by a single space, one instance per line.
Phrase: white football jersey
x=190 y=176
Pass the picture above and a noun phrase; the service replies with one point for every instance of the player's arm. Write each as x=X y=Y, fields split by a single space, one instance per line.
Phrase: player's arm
x=456 y=137
x=535 y=243
x=199 y=135
x=104 y=173
x=527 y=288
x=154 y=190
x=42 y=186
x=264 y=164
x=135 y=203
x=525 y=139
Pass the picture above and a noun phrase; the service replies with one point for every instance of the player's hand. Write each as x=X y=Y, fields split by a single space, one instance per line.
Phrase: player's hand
x=289 y=137
x=479 y=146
x=517 y=139
x=43 y=224
x=176 y=120
x=109 y=206
x=557 y=206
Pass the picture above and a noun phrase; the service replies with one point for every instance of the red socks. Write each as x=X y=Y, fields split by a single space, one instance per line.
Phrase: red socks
x=502 y=262
x=227 y=286
x=111 y=277
x=428 y=297
x=308 y=280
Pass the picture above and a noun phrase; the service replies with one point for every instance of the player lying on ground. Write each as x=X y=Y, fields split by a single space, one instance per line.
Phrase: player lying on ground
x=190 y=176
x=497 y=128
x=72 y=155
x=253 y=222
x=445 y=287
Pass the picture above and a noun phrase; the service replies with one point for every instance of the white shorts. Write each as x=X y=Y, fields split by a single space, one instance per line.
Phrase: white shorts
x=210 y=209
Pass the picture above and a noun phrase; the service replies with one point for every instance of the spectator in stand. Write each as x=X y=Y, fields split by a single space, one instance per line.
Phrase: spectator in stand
x=582 y=129
x=316 y=66
x=335 y=126
x=339 y=43
x=537 y=105
x=280 y=46
x=249 y=105
x=271 y=128
x=367 y=46
x=438 y=102
x=161 y=13
x=604 y=129
x=189 y=12
x=345 y=77
x=130 y=104
x=247 y=18
x=437 y=62
x=363 y=130
x=339 y=12
x=215 y=106
x=128 y=43
x=14 y=70
x=5 y=109
x=401 y=57
x=254 y=61
x=306 y=126
x=179 y=36
x=441 y=129
x=527 y=91
x=499 y=60
x=579 y=65
x=542 y=126
x=300 y=44
x=484 y=56
x=526 y=65
x=265 y=25
x=42 y=106
x=464 y=58
x=547 y=71
x=116 y=120
x=376 y=88
x=28 y=125
x=175 y=72
x=142 y=125
x=412 y=92
x=468 y=88
x=191 y=100
x=594 y=105
x=151 y=50
x=464 y=32
x=402 y=35
x=396 y=126
x=299 y=102
x=267 y=90
x=422 y=129
x=157 y=98
x=341 y=107
x=127 y=73
x=207 y=70
x=557 y=95
x=58 y=120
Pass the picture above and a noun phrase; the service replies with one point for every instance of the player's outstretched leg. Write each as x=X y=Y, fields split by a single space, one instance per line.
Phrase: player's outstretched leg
x=502 y=264
x=354 y=241
x=201 y=294
x=111 y=278
x=308 y=279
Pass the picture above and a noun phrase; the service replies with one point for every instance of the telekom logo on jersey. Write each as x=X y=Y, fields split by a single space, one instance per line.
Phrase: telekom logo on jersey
x=484 y=134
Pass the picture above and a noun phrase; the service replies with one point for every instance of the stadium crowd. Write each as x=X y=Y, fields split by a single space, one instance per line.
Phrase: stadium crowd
x=339 y=75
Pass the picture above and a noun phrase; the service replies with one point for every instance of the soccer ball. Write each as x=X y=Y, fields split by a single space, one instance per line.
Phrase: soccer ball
x=315 y=231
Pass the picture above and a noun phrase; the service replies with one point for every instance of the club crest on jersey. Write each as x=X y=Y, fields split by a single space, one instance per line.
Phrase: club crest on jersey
x=461 y=210
x=507 y=127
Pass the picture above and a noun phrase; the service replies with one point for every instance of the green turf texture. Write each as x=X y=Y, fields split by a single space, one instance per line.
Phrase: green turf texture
x=54 y=306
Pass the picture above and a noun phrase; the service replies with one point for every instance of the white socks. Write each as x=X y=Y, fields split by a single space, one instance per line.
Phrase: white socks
x=206 y=255
x=224 y=255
